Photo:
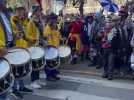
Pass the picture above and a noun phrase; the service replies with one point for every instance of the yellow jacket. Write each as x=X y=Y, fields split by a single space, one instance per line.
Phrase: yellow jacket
x=2 y=37
x=18 y=42
x=32 y=33
x=53 y=36
x=25 y=22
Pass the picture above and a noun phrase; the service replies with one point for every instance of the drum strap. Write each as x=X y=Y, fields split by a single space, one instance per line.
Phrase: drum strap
x=4 y=28
x=20 y=28
x=40 y=27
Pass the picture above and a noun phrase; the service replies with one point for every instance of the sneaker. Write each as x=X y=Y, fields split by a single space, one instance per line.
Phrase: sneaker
x=105 y=75
x=51 y=79
x=25 y=90
x=110 y=77
x=35 y=85
x=74 y=61
x=57 y=78
x=17 y=94
x=57 y=72
x=41 y=83
x=91 y=65
x=98 y=67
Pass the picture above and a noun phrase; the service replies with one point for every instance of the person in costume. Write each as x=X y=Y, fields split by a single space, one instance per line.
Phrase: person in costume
x=18 y=28
x=6 y=36
x=53 y=37
x=32 y=36
x=74 y=40
x=20 y=41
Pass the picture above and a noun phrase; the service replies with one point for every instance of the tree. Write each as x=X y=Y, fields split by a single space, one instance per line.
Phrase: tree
x=80 y=4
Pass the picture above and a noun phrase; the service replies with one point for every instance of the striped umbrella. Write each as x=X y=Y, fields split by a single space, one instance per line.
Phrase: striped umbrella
x=109 y=5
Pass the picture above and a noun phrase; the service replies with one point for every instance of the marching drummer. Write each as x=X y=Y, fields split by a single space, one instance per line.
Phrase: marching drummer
x=20 y=41
x=32 y=35
x=18 y=29
x=6 y=37
x=53 y=37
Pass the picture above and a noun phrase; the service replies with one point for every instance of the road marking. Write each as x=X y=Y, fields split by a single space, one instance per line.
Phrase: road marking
x=101 y=82
x=70 y=95
x=105 y=83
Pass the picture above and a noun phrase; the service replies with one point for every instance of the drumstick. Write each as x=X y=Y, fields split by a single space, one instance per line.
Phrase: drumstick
x=13 y=51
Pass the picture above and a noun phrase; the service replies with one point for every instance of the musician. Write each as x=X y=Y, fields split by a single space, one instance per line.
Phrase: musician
x=18 y=29
x=6 y=37
x=32 y=35
x=53 y=37
x=20 y=41
x=2 y=53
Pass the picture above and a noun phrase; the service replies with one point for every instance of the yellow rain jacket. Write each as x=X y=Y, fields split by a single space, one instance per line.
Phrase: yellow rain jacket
x=32 y=33
x=2 y=37
x=25 y=22
x=18 y=42
x=53 y=36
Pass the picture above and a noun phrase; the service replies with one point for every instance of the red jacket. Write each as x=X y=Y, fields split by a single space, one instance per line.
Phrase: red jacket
x=75 y=27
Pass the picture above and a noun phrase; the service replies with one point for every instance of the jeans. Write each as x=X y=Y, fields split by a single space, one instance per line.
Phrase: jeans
x=108 y=61
x=18 y=84
x=35 y=75
x=50 y=73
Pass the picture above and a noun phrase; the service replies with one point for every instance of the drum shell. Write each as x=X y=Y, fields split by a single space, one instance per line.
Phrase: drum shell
x=23 y=69
x=4 y=86
x=20 y=71
x=37 y=62
x=64 y=57
x=53 y=57
x=52 y=64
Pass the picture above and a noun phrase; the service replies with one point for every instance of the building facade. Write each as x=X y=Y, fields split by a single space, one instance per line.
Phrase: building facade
x=89 y=7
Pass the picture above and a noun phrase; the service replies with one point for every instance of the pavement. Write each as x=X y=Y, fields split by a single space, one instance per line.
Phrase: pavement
x=81 y=68
x=80 y=82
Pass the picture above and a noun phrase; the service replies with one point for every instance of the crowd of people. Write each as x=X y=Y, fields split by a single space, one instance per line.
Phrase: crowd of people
x=107 y=42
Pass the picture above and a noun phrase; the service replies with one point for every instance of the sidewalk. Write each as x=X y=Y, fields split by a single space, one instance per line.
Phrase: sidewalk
x=81 y=68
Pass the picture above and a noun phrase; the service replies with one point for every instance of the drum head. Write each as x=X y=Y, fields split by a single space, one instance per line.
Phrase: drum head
x=64 y=51
x=36 y=52
x=51 y=53
x=4 y=68
x=18 y=56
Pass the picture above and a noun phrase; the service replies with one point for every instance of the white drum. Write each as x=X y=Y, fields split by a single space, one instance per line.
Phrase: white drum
x=64 y=51
x=52 y=56
x=37 y=56
x=6 y=79
x=20 y=61
x=132 y=61
x=51 y=53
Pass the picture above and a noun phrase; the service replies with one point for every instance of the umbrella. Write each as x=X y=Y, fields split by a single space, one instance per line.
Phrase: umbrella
x=109 y=5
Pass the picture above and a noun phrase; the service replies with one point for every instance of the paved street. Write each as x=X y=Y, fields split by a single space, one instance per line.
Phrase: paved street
x=83 y=87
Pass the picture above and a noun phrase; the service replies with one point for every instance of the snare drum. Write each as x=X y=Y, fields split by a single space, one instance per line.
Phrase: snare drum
x=37 y=56
x=64 y=53
x=52 y=55
x=6 y=77
x=20 y=61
